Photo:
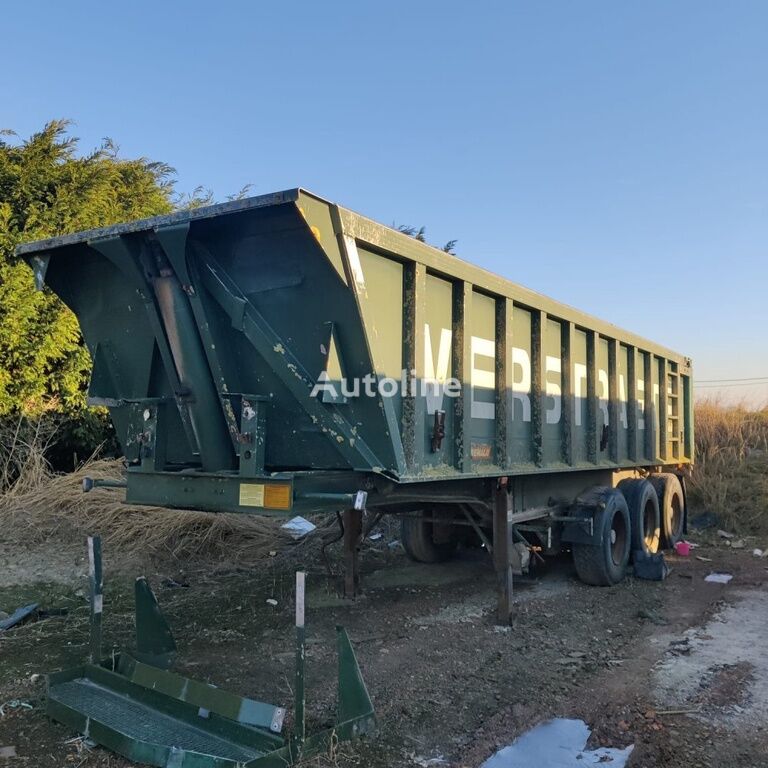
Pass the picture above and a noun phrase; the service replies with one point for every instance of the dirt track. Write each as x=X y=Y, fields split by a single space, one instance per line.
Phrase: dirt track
x=449 y=686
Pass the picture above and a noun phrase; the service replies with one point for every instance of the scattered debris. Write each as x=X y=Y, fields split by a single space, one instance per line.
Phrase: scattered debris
x=426 y=762
x=557 y=744
x=7 y=752
x=81 y=744
x=738 y=544
x=375 y=536
x=718 y=578
x=725 y=535
x=683 y=548
x=14 y=704
x=298 y=527
x=271 y=601
x=650 y=567
x=652 y=616
x=51 y=613
x=758 y=552
x=704 y=559
x=173 y=584
x=19 y=615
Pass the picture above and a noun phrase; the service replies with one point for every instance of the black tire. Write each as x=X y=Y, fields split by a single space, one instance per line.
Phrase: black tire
x=606 y=563
x=669 y=492
x=644 y=515
x=419 y=540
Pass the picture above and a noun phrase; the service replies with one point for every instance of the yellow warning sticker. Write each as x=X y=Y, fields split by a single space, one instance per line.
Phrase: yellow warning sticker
x=251 y=494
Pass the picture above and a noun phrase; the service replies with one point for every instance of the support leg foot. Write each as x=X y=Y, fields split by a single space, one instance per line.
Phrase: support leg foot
x=353 y=534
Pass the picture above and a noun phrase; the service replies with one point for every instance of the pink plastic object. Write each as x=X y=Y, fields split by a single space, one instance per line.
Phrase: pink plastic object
x=683 y=548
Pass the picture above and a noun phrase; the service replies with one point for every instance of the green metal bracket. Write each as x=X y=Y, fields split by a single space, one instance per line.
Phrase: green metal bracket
x=154 y=641
x=208 y=698
x=355 y=711
x=251 y=435
x=146 y=427
x=156 y=717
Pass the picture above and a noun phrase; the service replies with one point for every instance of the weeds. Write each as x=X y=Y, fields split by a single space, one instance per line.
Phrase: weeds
x=730 y=478
x=38 y=504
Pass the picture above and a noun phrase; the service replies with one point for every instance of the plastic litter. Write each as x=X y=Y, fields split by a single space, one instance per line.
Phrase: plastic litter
x=18 y=616
x=14 y=704
x=427 y=762
x=298 y=527
x=683 y=548
x=718 y=578
x=559 y=743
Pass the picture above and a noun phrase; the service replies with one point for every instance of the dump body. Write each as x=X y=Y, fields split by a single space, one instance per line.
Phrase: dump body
x=281 y=352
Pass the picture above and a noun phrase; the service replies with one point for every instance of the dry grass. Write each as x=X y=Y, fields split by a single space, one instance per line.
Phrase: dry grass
x=41 y=505
x=38 y=504
x=730 y=478
x=23 y=444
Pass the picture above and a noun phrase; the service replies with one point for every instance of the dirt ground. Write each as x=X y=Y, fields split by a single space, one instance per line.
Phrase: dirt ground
x=678 y=668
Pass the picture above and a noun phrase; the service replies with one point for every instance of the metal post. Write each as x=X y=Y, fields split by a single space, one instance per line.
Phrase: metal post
x=353 y=532
x=299 y=729
x=502 y=551
x=96 y=580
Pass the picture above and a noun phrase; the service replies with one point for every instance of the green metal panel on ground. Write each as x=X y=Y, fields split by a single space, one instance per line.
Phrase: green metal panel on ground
x=210 y=329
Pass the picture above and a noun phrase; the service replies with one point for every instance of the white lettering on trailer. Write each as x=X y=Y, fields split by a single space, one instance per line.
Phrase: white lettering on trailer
x=436 y=370
x=579 y=378
x=521 y=387
x=602 y=394
x=553 y=390
x=623 y=401
x=481 y=378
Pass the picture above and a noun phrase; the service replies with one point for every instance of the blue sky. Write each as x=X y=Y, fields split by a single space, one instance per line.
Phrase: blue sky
x=611 y=155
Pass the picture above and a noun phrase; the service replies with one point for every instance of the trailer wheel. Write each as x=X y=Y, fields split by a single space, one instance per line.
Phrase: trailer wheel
x=644 y=515
x=425 y=541
x=671 y=506
x=605 y=563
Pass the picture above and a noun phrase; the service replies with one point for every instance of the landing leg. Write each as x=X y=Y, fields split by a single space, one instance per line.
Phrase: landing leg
x=353 y=534
x=503 y=551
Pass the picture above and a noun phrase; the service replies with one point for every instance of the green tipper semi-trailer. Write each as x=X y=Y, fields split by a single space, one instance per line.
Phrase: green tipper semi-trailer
x=283 y=355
